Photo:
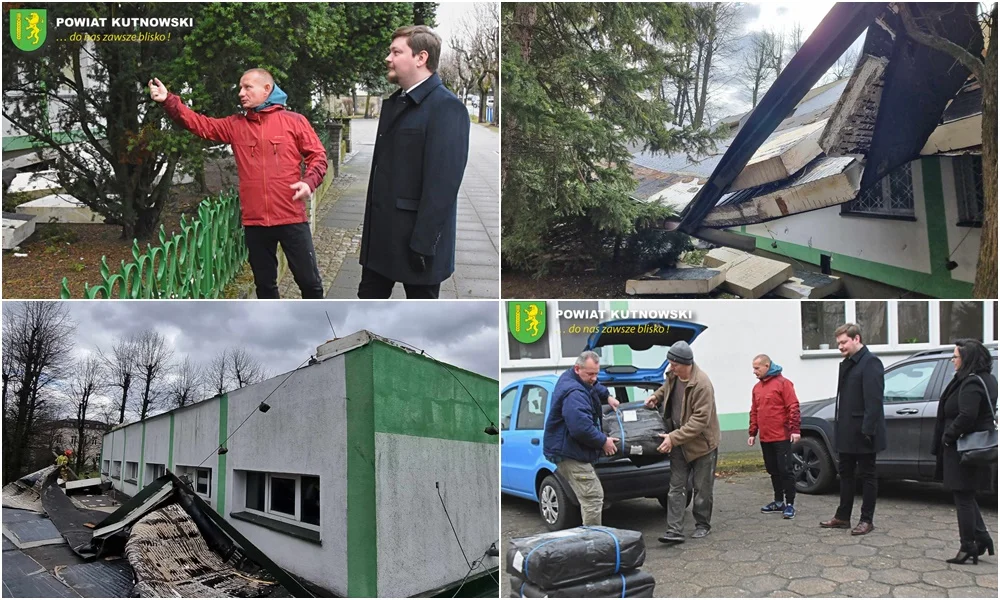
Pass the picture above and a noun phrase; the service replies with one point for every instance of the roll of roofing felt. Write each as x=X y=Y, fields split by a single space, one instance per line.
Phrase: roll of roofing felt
x=561 y=558
x=638 y=430
x=631 y=584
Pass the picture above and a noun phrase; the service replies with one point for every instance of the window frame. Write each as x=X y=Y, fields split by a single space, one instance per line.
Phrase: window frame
x=131 y=465
x=523 y=403
x=116 y=469
x=963 y=171
x=276 y=515
x=892 y=323
x=847 y=209
x=105 y=467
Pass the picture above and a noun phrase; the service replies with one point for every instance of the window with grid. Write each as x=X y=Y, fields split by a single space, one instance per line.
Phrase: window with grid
x=892 y=196
x=969 y=189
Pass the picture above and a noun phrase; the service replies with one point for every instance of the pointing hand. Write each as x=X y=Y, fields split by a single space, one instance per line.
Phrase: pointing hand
x=157 y=91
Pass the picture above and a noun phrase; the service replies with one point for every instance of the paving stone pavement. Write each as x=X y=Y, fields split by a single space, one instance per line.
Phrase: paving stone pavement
x=749 y=554
x=341 y=213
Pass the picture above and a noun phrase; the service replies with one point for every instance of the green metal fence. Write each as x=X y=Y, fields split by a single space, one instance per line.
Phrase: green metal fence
x=198 y=262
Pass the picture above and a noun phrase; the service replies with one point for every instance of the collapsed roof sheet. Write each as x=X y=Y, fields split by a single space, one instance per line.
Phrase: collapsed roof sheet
x=171 y=559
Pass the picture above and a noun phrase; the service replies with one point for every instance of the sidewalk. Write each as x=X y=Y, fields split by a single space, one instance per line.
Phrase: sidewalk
x=341 y=213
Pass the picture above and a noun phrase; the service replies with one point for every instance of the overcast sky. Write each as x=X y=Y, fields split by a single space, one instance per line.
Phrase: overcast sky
x=727 y=95
x=450 y=19
x=284 y=334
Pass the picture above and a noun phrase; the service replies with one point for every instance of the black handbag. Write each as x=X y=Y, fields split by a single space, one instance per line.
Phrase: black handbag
x=979 y=447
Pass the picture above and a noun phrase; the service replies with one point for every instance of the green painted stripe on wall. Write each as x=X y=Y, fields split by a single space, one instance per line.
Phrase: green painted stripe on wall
x=414 y=395
x=734 y=421
x=170 y=447
x=926 y=283
x=362 y=531
x=220 y=475
x=622 y=355
x=142 y=455
x=937 y=224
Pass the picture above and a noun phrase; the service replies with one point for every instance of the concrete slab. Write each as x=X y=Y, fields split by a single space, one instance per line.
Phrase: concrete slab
x=38 y=181
x=718 y=257
x=16 y=229
x=754 y=276
x=59 y=208
x=805 y=285
x=682 y=280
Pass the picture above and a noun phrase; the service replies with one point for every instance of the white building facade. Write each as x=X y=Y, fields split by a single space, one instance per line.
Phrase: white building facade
x=797 y=335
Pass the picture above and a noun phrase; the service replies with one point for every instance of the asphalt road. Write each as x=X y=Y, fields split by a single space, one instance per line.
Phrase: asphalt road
x=749 y=554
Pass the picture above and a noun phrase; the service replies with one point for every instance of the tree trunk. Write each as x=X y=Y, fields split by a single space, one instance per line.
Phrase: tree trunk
x=525 y=16
x=986 y=271
x=121 y=410
x=700 y=103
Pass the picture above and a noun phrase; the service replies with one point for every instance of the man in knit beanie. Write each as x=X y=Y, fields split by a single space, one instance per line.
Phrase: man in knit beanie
x=687 y=404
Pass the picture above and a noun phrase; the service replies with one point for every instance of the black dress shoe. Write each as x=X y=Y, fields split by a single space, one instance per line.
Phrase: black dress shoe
x=671 y=538
x=982 y=547
x=963 y=557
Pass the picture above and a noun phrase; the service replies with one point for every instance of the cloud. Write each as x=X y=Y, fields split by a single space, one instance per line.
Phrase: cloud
x=283 y=335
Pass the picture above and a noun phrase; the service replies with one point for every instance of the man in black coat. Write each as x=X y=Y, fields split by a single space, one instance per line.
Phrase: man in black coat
x=419 y=160
x=859 y=429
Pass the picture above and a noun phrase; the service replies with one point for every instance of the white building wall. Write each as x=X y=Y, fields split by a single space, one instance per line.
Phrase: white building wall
x=737 y=331
x=132 y=450
x=417 y=551
x=303 y=433
x=157 y=445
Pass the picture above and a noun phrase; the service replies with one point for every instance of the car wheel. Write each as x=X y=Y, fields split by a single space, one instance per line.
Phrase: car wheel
x=555 y=507
x=812 y=466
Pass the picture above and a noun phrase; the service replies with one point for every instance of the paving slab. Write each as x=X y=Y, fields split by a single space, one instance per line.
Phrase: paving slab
x=749 y=554
x=341 y=214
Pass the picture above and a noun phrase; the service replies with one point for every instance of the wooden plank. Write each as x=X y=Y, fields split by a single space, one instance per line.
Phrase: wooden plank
x=682 y=280
x=805 y=285
x=956 y=135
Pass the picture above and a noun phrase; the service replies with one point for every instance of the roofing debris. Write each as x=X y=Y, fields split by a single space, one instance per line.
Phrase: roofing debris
x=173 y=544
x=171 y=559
x=805 y=149
x=26 y=493
x=681 y=280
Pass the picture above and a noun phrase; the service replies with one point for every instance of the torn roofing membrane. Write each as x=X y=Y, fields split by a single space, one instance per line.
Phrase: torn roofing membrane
x=892 y=103
x=175 y=545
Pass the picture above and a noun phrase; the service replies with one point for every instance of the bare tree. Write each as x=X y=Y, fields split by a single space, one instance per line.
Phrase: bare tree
x=778 y=49
x=107 y=413
x=87 y=380
x=38 y=340
x=796 y=37
x=244 y=368
x=923 y=30
x=119 y=368
x=844 y=65
x=215 y=373
x=152 y=363
x=186 y=386
x=717 y=27
x=479 y=46
x=758 y=62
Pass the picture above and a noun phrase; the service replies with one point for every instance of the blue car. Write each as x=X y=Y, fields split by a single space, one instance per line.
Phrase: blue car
x=524 y=404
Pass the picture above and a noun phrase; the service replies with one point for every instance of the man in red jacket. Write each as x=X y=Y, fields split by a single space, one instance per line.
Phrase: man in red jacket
x=269 y=143
x=774 y=413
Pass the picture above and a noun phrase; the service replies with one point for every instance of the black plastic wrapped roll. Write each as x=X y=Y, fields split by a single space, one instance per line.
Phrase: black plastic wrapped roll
x=642 y=428
x=560 y=558
x=633 y=584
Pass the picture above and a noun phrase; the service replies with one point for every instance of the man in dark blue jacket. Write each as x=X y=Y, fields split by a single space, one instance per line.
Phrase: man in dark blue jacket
x=573 y=436
x=421 y=149
x=859 y=428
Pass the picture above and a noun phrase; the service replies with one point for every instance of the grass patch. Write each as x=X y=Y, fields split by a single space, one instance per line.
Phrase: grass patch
x=749 y=461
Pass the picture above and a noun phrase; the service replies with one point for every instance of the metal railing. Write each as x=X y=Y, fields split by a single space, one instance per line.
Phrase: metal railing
x=198 y=262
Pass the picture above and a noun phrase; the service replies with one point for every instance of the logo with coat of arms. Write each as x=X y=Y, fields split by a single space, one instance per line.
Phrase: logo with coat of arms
x=526 y=320
x=27 y=28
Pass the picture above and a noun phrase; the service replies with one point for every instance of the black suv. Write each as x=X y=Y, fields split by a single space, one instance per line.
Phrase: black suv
x=912 y=389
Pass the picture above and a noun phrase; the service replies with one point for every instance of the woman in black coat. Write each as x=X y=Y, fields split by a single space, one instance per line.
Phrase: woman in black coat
x=962 y=409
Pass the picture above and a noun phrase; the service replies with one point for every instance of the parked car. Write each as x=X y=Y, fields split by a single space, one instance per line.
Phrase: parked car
x=524 y=406
x=912 y=389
